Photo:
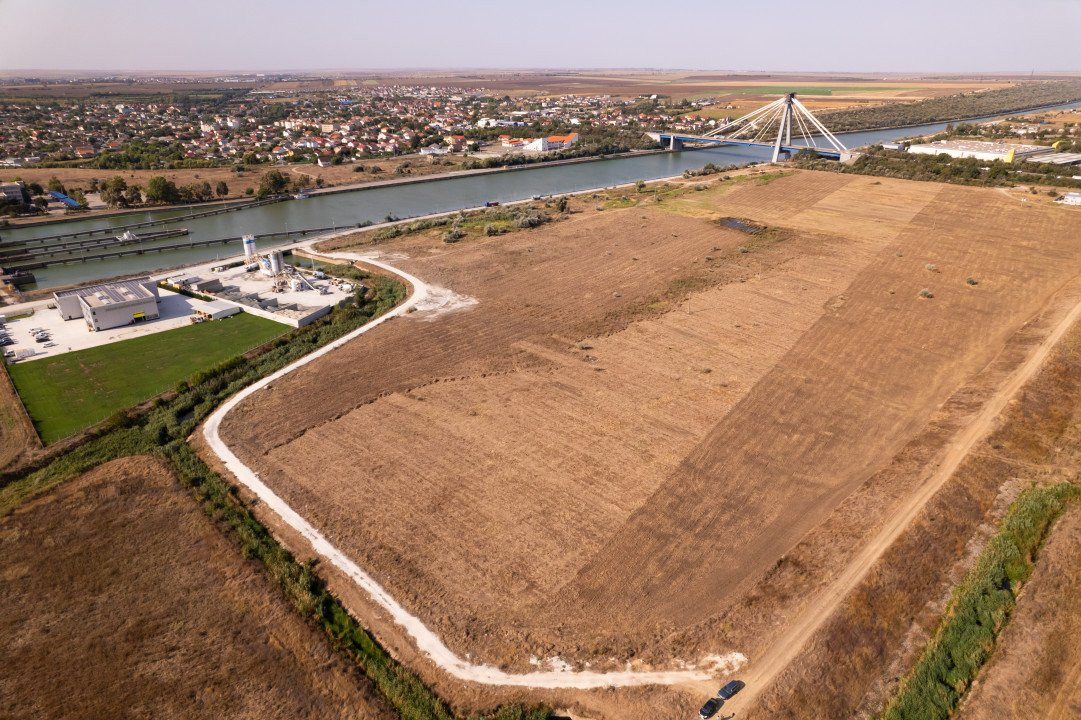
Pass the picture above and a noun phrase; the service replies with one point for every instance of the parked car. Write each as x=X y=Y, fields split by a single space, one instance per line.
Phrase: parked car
x=710 y=708
x=731 y=688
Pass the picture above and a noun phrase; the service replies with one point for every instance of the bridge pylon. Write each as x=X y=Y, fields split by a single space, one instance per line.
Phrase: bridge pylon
x=758 y=127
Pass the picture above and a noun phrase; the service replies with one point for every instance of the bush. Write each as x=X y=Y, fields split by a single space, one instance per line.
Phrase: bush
x=925 y=293
x=979 y=609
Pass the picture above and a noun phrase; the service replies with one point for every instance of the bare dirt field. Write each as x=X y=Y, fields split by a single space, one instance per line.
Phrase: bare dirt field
x=609 y=458
x=121 y=600
x=1036 y=669
x=873 y=636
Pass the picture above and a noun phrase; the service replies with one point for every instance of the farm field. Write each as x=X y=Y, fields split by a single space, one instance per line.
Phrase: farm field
x=70 y=392
x=605 y=459
x=122 y=600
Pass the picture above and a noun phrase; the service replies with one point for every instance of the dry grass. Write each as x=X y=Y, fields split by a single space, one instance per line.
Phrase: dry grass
x=554 y=472
x=122 y=600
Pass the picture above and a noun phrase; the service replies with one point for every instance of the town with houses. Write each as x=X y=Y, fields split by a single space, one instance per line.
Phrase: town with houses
x=263 y=126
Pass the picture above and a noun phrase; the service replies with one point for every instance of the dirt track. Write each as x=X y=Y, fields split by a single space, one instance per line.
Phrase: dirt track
x=544 y=471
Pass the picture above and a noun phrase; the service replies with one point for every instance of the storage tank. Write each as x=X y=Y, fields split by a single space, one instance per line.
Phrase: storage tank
x=277 y=262
x=249 y=247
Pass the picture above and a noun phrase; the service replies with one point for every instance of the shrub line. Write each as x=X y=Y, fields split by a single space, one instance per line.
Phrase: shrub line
x=980 y=607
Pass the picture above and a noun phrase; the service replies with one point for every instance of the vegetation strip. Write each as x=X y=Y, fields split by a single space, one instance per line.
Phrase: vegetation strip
x=954 y=107
x=979 y=609
x=164 y=430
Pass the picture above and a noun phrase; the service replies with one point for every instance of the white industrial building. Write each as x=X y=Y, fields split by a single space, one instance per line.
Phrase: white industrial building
x=217 y=309
x=981 y=150
x=1070 y=198
x=110 y=305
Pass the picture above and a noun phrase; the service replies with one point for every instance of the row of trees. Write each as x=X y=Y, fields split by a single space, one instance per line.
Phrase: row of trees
x=955 y=107
x=944 y=168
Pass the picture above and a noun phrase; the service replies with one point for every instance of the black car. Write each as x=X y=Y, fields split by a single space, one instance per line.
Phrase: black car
x=710 y=708
x=730 y=689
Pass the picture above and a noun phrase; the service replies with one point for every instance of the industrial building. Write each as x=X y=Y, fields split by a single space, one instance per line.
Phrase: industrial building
x=1070 y=198
x=216 y=310
x=110 y=305
x=1057 y=158
x=981 y=150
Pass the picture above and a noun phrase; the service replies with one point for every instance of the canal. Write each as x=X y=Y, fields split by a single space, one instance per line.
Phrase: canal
x=373 y=205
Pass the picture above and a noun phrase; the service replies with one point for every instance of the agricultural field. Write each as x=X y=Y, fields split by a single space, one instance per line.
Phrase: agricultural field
x=608 y=458
x=72 y=391
x=121 y=599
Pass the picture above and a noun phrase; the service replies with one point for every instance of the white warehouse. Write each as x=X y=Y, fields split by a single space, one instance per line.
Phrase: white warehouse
x=110 y=305
x=980 y=149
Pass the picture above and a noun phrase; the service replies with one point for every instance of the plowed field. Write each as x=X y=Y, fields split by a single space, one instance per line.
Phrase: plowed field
x=646 y=410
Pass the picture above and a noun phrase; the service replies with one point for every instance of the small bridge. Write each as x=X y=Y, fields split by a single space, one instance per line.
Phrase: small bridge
x=769 y=126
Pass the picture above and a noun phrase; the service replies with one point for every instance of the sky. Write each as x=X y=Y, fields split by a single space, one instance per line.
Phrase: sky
x=784 y=35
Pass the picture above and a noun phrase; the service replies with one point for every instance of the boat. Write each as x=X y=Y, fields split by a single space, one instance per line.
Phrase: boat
x=301 y=196
x=491 y=203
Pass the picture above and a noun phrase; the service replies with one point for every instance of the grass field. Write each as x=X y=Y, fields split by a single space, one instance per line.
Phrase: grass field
x=70 y=392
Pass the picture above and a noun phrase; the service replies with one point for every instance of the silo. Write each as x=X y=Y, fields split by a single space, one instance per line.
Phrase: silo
x=249 y=247
x=277 y=262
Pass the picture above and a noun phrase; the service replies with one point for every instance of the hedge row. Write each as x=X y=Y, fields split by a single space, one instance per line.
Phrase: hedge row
x=979 y=609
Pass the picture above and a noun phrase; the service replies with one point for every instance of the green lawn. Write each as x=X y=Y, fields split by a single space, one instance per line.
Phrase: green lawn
x=72 y=391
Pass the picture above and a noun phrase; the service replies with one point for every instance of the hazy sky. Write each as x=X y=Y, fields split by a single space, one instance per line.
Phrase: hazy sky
x=842 y=35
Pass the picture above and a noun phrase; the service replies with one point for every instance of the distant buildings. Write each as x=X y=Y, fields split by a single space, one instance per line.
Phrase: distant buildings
x=14 y=193
x=980 y=149
x=544 y=144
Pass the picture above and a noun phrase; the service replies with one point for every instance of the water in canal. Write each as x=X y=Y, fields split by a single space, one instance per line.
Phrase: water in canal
x=375 y=204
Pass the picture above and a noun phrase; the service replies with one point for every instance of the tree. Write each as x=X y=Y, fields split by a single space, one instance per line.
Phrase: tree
x=273 y=183
x=35 y=189
x=161 y=191
x=113 y=192
x=55 y=185
x=134 y=195
x=221 y=189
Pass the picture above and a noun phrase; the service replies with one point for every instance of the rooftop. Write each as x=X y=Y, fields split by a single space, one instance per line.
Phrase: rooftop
x=117 y=294
x=986 y=146
x=93 y=289
x=110 y=293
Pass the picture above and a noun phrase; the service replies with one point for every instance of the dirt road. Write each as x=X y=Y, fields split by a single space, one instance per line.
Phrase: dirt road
x=762 y=671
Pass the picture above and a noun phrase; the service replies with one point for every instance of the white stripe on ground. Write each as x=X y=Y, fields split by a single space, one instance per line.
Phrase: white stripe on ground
x=426 y=640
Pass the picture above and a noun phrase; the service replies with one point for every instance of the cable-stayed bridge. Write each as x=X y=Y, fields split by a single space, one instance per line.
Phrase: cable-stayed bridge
x=771 y=126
